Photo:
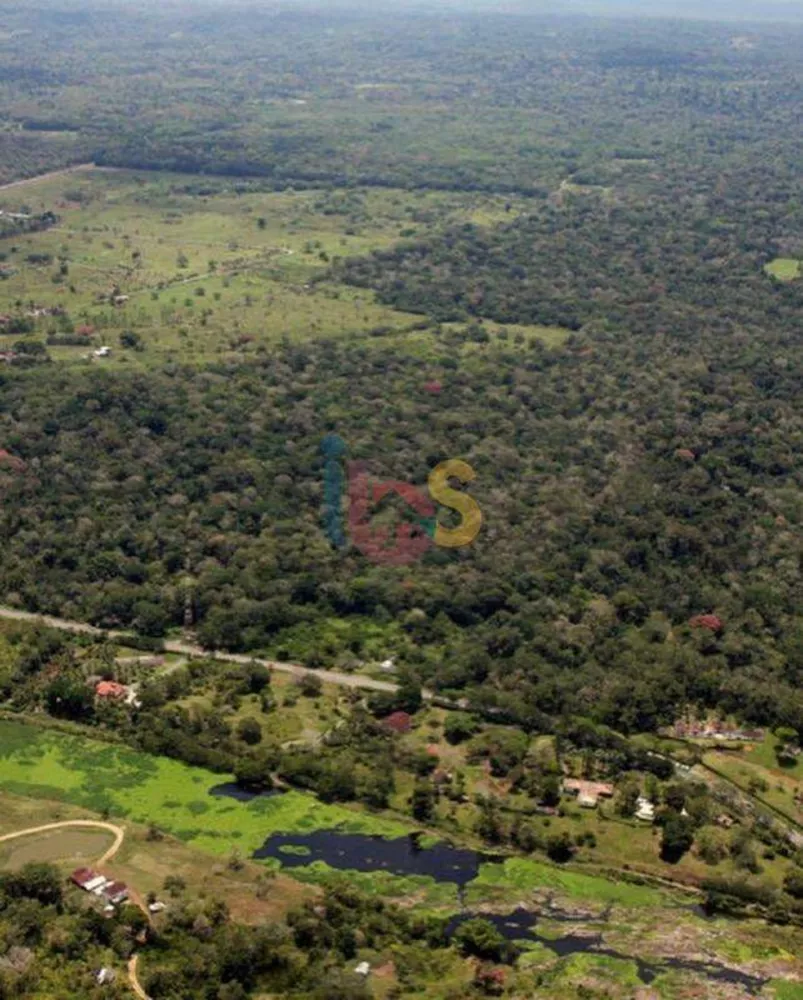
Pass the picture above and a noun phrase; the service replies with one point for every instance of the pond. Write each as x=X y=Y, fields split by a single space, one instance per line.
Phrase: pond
x=358 y=852
x=231 y=790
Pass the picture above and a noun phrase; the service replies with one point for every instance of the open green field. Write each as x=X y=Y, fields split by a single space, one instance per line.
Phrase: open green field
x=764 y=754
x=774 y=787
x=525 y=875
x=73 y=846
x=175 y=797
x=210 y=269
x=783 y=268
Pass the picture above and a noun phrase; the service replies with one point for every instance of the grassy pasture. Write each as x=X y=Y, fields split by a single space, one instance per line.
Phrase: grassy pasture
x=775 y=787
x=295 y=716
x=208 y=271
x=524 y=875
x=764 y=755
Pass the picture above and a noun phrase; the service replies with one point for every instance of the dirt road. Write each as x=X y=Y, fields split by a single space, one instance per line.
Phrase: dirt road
x=45 y=177
x=133 y=978
x=119 y=835
x=188 y=649
x=118 y=832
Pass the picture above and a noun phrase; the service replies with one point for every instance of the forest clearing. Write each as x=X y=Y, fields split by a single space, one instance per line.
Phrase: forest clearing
x=211 y=271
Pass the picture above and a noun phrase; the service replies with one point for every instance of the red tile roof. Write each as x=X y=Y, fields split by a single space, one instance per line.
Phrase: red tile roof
x=81 y=876
x=111 y=689
x=115 y=889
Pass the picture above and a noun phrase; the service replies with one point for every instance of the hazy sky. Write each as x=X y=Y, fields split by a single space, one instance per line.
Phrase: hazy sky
x=714 y=9
x=719 y=10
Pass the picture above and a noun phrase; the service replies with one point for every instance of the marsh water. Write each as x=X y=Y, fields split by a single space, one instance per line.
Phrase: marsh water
x=445 y=863
x=520 y=926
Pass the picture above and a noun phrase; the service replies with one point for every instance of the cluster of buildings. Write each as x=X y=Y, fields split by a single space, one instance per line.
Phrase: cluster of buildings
x=588 y=792
x=715 y=730
x=114 y=893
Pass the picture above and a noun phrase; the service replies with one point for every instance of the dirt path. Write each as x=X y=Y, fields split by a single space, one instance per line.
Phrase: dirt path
x=46 y=177
x=188 y=649
x=133 y=978
x=119 y=836
x=118 y=832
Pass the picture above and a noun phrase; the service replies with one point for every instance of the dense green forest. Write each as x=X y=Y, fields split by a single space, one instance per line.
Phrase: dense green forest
x=513 y=102
x=628 y=484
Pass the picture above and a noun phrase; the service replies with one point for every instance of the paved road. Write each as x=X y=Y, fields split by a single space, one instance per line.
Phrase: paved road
x=188 y=649
x=118 y=832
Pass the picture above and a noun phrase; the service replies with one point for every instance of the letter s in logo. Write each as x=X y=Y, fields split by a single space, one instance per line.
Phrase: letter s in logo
x=467 y=531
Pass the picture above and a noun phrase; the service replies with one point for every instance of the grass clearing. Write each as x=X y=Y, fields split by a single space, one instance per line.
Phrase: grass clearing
x=783 y=268
x=527 y=876
x=783 y=990
x=211 y=269
x=775 y=788
x=764 y=754
x=73 y=846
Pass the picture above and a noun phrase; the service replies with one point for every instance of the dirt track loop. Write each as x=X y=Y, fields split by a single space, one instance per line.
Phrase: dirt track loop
x=119 y=836
x=118 y=832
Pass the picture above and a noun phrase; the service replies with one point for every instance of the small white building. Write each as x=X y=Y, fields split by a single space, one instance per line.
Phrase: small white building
x=156 y=907
x=105 y=976
x=645 y=810
x=97 y=884
x=362 y=969
x=103 y=352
